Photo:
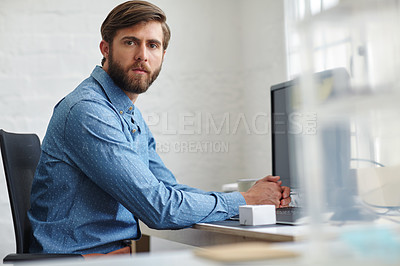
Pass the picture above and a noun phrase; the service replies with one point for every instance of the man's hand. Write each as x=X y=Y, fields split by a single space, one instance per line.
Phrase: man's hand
x=268 y=191
x=285 y=201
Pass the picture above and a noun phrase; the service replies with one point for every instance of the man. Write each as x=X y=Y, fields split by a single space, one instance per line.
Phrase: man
x=99 y=171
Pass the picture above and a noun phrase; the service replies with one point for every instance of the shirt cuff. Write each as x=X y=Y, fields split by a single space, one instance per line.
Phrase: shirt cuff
x=234 y=200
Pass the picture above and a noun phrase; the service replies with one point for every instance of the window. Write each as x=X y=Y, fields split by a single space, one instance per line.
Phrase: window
x=330 y=48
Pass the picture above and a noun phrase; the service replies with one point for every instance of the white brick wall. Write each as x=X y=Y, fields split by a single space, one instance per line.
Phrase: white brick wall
x=222 y=58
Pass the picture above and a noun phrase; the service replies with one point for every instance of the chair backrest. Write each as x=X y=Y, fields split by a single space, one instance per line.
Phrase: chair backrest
x=20 y=153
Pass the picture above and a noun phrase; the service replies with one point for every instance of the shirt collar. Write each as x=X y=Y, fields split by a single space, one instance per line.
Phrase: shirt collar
x=116 y=95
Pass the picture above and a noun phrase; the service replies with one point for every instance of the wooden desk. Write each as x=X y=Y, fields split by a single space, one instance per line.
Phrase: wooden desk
x=225 y=232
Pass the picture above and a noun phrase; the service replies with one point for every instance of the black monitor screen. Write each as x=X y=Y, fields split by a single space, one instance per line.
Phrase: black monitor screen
x=279 y=128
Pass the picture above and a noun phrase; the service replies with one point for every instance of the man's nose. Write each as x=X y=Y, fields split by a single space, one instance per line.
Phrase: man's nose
x=141 y=53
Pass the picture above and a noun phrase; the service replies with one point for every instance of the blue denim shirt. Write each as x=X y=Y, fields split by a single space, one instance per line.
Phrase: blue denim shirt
x=99 y=173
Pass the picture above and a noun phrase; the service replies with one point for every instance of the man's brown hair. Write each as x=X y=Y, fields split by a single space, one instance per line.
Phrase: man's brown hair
x=131 y=13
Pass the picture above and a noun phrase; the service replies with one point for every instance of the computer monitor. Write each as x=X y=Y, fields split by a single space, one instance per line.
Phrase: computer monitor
x=330 y=84
x=280 y=131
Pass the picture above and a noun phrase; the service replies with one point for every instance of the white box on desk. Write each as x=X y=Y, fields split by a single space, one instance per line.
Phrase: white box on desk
x=257 y=214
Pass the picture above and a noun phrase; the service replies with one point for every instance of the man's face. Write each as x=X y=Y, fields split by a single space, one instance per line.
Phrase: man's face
x=135 y=56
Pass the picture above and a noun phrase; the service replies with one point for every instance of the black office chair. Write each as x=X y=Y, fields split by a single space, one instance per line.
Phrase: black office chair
x=21 y=153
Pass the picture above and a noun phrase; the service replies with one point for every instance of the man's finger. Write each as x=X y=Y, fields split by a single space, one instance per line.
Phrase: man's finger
x=285 y=192
x=272 y=178
x=285 y=202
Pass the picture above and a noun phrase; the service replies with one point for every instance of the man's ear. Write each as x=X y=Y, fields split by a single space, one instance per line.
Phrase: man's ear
x=104 y=48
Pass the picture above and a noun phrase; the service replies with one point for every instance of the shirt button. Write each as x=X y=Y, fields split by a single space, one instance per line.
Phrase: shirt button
x=130 y=108
x=133 y=130
x=121 y=112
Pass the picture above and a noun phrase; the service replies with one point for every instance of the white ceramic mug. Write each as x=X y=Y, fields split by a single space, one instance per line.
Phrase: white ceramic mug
x=245 y=184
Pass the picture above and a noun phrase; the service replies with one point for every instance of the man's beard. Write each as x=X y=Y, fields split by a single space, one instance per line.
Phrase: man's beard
x=136 y=84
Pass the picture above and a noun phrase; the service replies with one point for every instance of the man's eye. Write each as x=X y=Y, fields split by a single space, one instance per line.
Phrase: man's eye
x=153 y=45
x=130 y=42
